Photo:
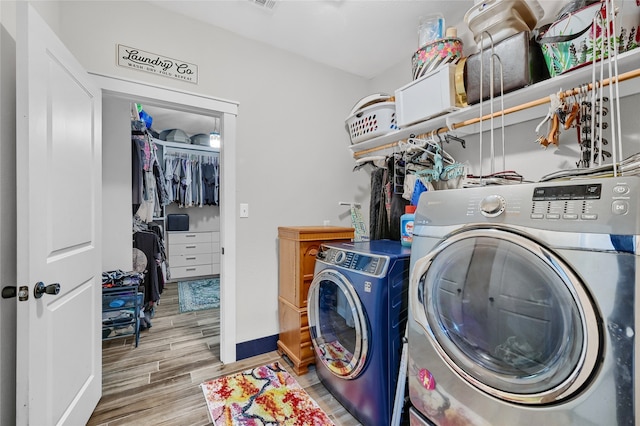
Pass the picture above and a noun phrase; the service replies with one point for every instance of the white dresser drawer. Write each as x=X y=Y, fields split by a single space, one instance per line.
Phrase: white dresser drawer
x=193 y=254
x=190 y=271
x=190 y=237
x=191 y=259
x=189 y=249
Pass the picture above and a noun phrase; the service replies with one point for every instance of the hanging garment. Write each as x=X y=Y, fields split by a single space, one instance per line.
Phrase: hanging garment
x=397 y=204
x=148 y=243
x=378 y=223
x=136 y=175
x=216 y=171
x=209 y=181
x=188 y=194
x=191 y=180
x=149 y=191
x=358 y=224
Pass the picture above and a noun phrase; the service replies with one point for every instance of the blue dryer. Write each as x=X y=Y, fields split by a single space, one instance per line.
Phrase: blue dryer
x=357 y=310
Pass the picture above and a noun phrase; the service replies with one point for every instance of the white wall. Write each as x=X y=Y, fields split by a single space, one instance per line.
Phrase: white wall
x=116 y=176
x=293 y=163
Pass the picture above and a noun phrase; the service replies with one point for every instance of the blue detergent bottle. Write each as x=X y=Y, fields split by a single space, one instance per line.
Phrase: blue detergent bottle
x=406 y=225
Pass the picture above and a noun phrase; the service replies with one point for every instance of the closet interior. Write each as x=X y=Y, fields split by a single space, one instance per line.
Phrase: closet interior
x=179 y=160
x=174 y=172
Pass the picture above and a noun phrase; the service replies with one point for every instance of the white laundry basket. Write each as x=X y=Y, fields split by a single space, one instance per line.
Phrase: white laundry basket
x=375 y=120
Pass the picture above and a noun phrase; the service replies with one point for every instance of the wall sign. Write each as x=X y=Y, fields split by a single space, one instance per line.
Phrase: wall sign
x=130 y=57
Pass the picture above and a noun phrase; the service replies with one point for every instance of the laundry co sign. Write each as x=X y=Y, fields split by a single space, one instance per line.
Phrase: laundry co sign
x=137 y=59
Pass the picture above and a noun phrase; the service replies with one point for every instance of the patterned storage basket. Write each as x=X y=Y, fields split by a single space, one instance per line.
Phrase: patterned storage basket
x=375 y=120
x=573 y=40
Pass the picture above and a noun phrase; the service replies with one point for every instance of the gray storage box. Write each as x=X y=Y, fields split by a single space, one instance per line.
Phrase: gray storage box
x=522 y=65
x=178 y=222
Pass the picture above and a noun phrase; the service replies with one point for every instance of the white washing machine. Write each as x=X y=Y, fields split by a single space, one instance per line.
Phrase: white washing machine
x=522 y=305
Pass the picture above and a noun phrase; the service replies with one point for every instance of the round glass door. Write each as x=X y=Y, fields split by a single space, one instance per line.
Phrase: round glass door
x=508 y=315
x=337 y=325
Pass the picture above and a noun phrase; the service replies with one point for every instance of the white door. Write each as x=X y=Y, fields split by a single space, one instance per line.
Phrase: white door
x=58 y=230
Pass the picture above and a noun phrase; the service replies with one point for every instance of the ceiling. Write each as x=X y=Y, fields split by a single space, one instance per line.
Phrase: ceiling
x=362 y=37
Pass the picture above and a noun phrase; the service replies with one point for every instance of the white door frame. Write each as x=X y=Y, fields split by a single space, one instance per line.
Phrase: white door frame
x=145 y=93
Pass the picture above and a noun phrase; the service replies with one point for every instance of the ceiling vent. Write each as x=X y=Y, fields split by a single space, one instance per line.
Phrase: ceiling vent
x=264 y=4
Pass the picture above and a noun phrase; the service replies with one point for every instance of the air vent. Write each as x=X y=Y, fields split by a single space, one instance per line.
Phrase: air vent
x=264 y=4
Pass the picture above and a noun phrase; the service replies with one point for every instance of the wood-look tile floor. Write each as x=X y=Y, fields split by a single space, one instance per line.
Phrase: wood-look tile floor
x=158 y=383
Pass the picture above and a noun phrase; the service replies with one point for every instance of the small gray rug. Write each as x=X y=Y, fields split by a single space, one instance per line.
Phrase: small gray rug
x=198 y=295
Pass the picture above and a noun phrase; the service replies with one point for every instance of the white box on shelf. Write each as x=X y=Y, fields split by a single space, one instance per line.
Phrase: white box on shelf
x=427 y=97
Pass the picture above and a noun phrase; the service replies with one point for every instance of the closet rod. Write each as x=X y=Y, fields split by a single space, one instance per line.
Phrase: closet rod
x=622 y=77
x=547 y=99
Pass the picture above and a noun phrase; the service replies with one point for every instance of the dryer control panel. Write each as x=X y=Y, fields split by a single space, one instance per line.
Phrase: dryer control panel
x=365 y=263
x=596 y=206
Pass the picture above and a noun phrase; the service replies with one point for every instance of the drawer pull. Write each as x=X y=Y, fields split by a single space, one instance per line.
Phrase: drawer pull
x=190 y=235
x=190 y=258
x=191 y=269
x=190 y=247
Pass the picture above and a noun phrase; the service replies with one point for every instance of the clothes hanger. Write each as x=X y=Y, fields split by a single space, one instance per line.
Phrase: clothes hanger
x=434 y=149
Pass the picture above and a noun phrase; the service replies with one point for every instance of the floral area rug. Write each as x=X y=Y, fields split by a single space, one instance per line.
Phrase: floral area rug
x=199 y=294
x=261 y=396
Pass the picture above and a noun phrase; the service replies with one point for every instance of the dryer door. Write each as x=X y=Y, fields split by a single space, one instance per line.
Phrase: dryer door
x=337 y=324
x=508 y=315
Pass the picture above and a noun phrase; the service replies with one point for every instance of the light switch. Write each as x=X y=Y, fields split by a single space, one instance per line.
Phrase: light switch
x=244 y=210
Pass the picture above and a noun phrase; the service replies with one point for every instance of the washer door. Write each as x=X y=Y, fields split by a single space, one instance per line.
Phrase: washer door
x=337 y=324
x=507 y=315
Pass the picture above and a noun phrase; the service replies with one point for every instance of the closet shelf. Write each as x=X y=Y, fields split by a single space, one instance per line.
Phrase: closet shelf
x=521 y=105
x=187 y=148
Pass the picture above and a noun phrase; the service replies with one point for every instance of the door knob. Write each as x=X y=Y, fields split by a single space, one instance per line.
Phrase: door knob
x=41 y=289
x=9 y=291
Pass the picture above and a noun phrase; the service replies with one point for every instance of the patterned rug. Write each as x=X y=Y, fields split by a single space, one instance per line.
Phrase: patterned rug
x=199 y=294
x=266 y=395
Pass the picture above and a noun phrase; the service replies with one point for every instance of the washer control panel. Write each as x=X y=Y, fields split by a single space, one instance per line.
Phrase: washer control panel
x=366 y=263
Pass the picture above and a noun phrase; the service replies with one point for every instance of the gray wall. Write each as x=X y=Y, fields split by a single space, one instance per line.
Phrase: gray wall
x=293 y=163
x=116 y=177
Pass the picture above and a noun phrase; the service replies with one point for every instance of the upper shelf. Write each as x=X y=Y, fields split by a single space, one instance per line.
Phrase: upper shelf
x=186 y=148
x=530 y=103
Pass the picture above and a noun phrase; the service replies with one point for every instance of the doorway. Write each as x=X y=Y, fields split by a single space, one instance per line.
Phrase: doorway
x=118 y=95
x=191 y=267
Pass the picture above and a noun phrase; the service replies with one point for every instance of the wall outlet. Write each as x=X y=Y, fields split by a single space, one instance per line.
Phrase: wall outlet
x=244 y=210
